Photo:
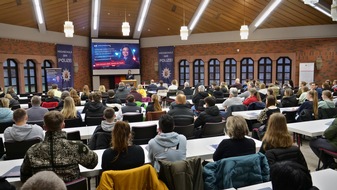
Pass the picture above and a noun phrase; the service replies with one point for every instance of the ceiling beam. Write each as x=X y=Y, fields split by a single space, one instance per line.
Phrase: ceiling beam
x=95 y=12
x=39 y=15
x=144 y=9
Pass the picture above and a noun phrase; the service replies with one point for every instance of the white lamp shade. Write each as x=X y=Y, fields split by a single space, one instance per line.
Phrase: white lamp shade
x=334 y=10
x=184 y=33
x=310 y=1
x=126 y=29
x=244 y=32
x=68 y=29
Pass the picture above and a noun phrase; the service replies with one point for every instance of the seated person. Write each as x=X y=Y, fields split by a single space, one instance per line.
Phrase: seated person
x=303 y=96
x=12 y=101
x=36 y=112
x=69 y=110
x=201 y=94
x=10 y=90
x=233 y=98
x=121 y=92
x=6 y=114
x=180 y=107
x=122 y=155
x=217 y=93
x=85 y=92
x=76 y=97
x=311 y=105
x=135 y=94
x=21 y=131
x=254 y=96
x=103 y=92
x=289 y=99
x=141 y=90
x=130 y=106
x=112 y=99
x=210 y=115
x=154 y=105
x=187 y=89
x=152 y=87
x=277 y=135
x=56 y=91
x=174 y=103
x=95 y=108
x=327 y=100
x=67 y=154
x=173 y=85
x=51 y=97
x=237 y=144
x=63 y=96
x=167 y=145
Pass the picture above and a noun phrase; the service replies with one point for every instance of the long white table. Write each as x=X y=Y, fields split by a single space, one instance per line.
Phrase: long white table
x=253 y=114
x=323 y=180
x=195 y=148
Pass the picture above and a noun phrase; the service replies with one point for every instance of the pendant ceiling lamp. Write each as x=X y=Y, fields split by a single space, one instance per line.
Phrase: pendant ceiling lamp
x=184 y=29
x=68 y=25
x=125 y=27
x=244 y=30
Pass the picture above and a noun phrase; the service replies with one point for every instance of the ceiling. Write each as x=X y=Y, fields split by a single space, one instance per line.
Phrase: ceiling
x=165 y=17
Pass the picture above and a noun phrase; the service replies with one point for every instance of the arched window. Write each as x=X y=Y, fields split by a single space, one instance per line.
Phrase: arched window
x=184 y=72
x=265 y=70
x=213 y=71
x=10 y=74
x=46 y=64
x=199 y=70
x=283 y=69
x=30 y=76
x=230 y=71
x=247 y=69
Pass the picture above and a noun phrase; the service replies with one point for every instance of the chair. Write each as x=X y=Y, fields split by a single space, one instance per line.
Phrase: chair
x=286 y=154
x=155 y=115
x=77 y=184
x=90 y=121
x=325 y=151
x=327 y=113
x=75 y=122
x=4 y=125
x=18 y=149
x=186 y=130
x=219 y=100
x=50 y=104
x=15 y=107
x=132 y=117
x=183 y=120
x=236 y=172
x=74 y=135
x=142 y=134
x=100 y=140
x=213 y=129
x=2 y=148
x=39 y=123
x=290 y=116
x=234 y=108
x=143 y=177
x=23 y=101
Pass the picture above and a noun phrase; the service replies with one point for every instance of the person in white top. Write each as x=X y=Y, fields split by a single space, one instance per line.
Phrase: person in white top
x=233 y=98
x=173 y=85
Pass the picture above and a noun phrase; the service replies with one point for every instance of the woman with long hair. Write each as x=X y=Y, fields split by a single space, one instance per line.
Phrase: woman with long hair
x=311 y=106
x=85 y=92
x=154 y=105
x=69 y=110
x=253 y=97
x=122 y=155
x=277 y=135
x=76 y=98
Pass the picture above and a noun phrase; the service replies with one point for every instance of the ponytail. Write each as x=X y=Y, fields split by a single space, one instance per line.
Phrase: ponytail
x=315 y=103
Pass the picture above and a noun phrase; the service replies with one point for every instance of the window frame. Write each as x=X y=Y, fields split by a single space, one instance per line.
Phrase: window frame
x=249 y=64
x=27 y=67
x=198 y=63
x=186 y=75
x=44 y=74
x=8 y=68
x=215 y=64
x=232 y=64
x=283 y=64
x=265 y=65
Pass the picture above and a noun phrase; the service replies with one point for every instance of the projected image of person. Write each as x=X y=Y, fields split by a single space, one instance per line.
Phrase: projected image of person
x=127 y=56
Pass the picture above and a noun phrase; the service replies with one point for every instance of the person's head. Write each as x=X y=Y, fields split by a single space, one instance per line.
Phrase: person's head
x=111 y=93
x=305 y=89
x=54 y=86
x=64 y=95
x=166 y=123
x=251 y=85
x=181 y=99
x=326 y=95
x=101 y=88
x=254 y=92
x=53 y=121
x=290 y=175
x=86 y=89
x=90 y=96
x=8 y=96
x=129 y=71
x=152 y=81
x=186 y=84
x=334 y=82
x=210 y=101
x=270 y=101
x=126 y=52
x=262 y=86
x=326 y=86
x=156 y=104
x=270 y=92
x=96 y=97
x=50 y=94
x=201 y=88
x=4 y=103
x=303 y=83
x=161 y=82
x=73 y=93
x=174 y=82
x=44 y=180
x=133 y=89
x=217 y=88
x=130 y=98
x=109 y=114
x=180 y=92
x=233 y=92
x=237 y=80
x=237 y=127
x=140 y=86
x=36 y=101
x=10 y=90
x=313 y=85
x=121 y=84
x=288 y=92
x=20 y=115
x=121 y=137
x=223 y=85
x=69 y=110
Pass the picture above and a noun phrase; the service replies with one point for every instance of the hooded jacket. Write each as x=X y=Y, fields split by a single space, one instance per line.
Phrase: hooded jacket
x=180 y=109
x=326 y=104
x=122 y=92
x=6 y=115
x=101 y=137
x=289 y=101
x=210 y=115
x=167 y=146
x=95 y=109
x=24 y=132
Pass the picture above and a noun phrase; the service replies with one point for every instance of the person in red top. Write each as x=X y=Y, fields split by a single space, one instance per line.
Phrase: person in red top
x=253 y=97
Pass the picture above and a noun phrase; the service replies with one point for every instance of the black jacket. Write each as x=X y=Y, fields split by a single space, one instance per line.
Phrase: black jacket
x=196 y=98
x=210 y=115
x=94 y=109
x=188 y=91
x=218 y=94
x=122 y=92
x=180 y=109
x=289 y=101
x=113 y=100
x=131 y=107
x=152 y=87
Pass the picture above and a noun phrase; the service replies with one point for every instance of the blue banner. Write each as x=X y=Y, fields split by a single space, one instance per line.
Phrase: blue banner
x=166 y=63
x=65 y=62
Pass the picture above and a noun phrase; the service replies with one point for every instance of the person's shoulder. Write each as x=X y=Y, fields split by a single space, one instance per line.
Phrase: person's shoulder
x=136 y=148
x=182 y=137
x=79 y=146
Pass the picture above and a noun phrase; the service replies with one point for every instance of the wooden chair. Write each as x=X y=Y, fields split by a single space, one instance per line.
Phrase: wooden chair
x=18 y=149
x=133 y=117
x=155 y=115
x=213 y=129
x=142 y=134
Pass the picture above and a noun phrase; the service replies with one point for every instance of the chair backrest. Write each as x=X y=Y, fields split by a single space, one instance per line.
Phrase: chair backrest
x=290 y=116
x=2 y=148
x=15 y=107
x=74 y=135
x=90 y=121
x=234 y=108
x=256 y=106
x=100 y=140
x=142 y=134
x=38 y=122
x=18 y=149
x=183 y=120
x=155 y=115
x=213 y=129
x=4 y=125
x=76 y=122
x=285 y=154
x=23 y=101
x=77 y=184
x=133 y=117
x=186 y=130
x=50 y=104
x=327 y=113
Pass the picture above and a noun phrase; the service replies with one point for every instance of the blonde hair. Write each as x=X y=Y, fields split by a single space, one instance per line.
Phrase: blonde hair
x=181 y=99
x=255 y=93
x=237 y=127
x=314 y=96
x=140 y=86
x=101 y=88
x=327 y=93
x=74 y=95
x=69 y=110
x=156 y=105
x=50 y=93
x=8 y=96
x=277 y=135
x=4 y=103
x=86 y=90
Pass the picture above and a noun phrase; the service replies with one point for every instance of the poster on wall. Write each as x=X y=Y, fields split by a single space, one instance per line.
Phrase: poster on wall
x=307 y=72
x=166 y=63
x=64 y=55
x=54 y=76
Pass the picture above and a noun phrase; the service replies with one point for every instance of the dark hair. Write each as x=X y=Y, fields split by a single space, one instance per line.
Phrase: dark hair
x=96 y=96
x=19 y=115
x=270 y=101
x=54 y=86
x=120 y=138
x=53 y=120
x=130 y=98
x=217 y=88
x=109 y=113
x=166 y=123
x=111 y=93
x=210 y=100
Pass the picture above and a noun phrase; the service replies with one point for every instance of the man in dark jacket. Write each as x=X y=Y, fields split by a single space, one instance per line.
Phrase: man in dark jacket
x=180 y=107
x=122 y=92
x=152 y=86
x=130 y=106
x=94 y=108
x=197 y=97
x=135 y=94
x=112 y=99
x=210 y=115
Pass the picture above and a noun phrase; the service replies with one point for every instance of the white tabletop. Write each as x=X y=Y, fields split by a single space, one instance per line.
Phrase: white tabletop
x=79 y=108
x=253 y=114
x=310 y=128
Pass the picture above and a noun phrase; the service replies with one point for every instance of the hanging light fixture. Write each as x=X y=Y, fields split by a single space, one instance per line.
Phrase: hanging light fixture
x=126 y=27
x=244 y=30
x=310 y=1
x=334 y=10
x=68 y=25
x=184 y=29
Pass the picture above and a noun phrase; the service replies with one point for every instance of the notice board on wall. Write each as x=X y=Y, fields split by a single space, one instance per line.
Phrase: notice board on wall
x=307 y=72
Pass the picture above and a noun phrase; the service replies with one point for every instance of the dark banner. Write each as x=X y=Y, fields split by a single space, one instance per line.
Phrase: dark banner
x=166 y=63
x=65 y=62
x=54 y=76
